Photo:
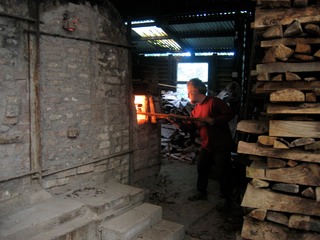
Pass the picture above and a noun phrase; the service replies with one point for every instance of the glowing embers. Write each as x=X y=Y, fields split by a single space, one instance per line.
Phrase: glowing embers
x=141 y=103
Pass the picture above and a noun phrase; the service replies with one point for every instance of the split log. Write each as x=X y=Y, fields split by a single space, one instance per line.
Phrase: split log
x=291 y=154
x=312 y=29
x=301 y=142
x=275 y=31
x=304 y=57
x=263 y=77
x=309 y=193
x=277 y=78
x=317 y=54
x=313 y=146
x=286 y=187
x=303 y=174
x=277 y=218
x=303 y=48
x=266 y=199
x=292 y=76
x=281 y=128
x=276 y=163
x=258 y=183
x=317 y=194
x=292 y=163
x=304 y=108
x=304 y=222
x=259 y=214
x=309 y=79
x=280 y=144
x=253 y=126
x=294 y=29
x=283 y=53
x=266 y=140
x=269 y=56
x=287 y=95
x=311 y=97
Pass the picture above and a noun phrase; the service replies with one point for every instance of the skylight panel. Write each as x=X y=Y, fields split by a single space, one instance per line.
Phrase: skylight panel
x=154 y=32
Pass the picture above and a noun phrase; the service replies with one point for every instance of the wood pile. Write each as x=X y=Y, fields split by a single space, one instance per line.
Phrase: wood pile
x=283 y=195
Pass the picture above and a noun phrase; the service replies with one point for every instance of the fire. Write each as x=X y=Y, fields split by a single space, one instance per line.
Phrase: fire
x=141 y=101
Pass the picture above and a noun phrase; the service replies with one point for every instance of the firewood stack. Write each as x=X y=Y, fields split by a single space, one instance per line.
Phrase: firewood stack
x=283 y=195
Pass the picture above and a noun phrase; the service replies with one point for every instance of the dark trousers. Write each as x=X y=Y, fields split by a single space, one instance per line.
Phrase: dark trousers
x=223 y=168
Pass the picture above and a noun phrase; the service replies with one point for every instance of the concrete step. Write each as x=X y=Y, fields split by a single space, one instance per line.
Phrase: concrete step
x=42 y=216
x=63 y=214
x=164 y=230
x=132 y=223
x=111 y=211
x=108 y=200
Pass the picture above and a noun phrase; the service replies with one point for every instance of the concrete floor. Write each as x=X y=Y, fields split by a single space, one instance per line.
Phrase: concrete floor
x=176 y=182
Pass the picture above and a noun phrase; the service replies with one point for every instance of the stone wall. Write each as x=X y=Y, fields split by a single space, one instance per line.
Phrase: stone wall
x=66 y=113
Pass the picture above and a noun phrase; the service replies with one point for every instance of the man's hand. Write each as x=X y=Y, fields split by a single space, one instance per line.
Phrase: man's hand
x=207 y=121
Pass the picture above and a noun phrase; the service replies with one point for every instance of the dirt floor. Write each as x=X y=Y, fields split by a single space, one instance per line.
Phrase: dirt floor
x=202 y=220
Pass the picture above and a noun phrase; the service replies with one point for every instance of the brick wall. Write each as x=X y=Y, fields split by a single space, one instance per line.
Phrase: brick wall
x=65 y=99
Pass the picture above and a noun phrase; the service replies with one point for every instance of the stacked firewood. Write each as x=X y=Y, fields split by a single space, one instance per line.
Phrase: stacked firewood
x=283 y=193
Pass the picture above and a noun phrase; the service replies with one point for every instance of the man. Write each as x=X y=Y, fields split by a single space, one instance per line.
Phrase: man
x=216 y=139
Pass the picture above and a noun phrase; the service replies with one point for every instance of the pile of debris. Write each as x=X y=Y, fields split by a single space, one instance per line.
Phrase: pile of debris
x=177 y=144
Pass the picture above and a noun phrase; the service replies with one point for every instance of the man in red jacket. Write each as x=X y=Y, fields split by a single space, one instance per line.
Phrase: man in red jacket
x=216 y=140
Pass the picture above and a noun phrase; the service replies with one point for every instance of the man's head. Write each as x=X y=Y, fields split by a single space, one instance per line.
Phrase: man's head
x=196 y=90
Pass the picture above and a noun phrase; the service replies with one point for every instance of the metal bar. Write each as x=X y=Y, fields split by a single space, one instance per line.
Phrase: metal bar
x=170 y=115
x=80 y=39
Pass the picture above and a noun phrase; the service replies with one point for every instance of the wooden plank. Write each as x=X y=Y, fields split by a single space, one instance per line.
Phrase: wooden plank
x=267 y=17
x=268 y=87
x=304 y=108
x=289 y=42
x=303 y=174
x=281 y=67
x=292 y=154
x=281 y=128
x=253 y=126
x=266 y=199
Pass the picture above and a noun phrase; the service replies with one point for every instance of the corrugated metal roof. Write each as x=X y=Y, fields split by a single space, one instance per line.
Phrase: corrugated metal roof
x=196 y=26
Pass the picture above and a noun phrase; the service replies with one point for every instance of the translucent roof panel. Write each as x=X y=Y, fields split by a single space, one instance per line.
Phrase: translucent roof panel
x=156 y=32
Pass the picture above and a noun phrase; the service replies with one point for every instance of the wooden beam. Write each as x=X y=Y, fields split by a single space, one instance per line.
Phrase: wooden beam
x=304 y=108
x=303 y=174
x=289 y=42
x=281 y=67
x=266 y=199
x=281 y=128
x=253 y=126
x=268 y=87
x=292 y=154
